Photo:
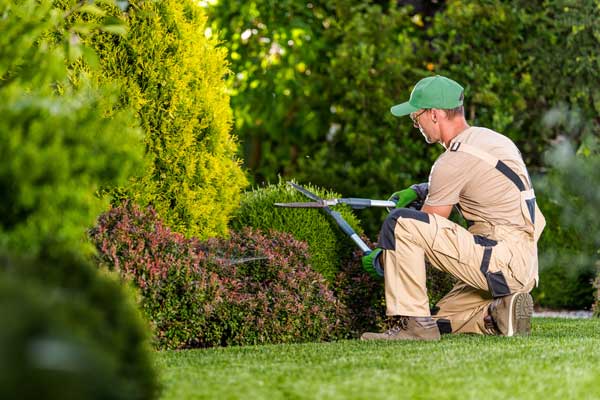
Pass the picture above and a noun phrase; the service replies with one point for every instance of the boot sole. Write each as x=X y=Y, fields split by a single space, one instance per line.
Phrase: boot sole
x=521 y=309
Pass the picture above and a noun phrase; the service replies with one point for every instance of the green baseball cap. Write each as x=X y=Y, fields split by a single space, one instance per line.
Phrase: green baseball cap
x=431 y=92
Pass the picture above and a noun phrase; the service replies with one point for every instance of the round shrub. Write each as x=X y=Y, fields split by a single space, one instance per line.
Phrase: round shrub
x=328 y=245
x=70 y=333
x=253 y=288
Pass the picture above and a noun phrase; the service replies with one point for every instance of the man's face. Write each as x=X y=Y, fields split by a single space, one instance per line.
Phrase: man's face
x=421 y=122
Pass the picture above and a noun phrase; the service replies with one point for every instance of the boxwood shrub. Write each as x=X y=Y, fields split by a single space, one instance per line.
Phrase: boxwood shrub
x=328 y=246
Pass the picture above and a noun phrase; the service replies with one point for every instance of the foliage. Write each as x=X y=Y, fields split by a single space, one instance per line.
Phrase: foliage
x=517 y=75
x=314 y=82
x=362 y=295
x=568 y=78
x=72 y=334
x=56 y=150
x=312 y=89
x=67 y=331
x=253 y=288
x=439 y=283
x=328 y=245
x=566 y=271
x=172 y=77
x=565 y=281
x=574 y=181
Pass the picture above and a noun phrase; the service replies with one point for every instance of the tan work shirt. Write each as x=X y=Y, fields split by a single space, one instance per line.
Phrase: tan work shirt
x=482 y=192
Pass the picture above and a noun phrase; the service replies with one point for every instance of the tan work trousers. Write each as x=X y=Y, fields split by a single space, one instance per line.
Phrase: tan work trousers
x=485 y=268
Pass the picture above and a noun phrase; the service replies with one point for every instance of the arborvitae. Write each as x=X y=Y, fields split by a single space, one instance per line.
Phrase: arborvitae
x=172 y=75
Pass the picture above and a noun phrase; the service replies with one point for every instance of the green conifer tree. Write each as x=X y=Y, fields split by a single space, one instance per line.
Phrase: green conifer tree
x=173 y=78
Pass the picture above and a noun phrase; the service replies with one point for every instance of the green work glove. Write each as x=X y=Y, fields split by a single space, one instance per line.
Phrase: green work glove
x=404 y=197
x=416 y=194
x=371 y=264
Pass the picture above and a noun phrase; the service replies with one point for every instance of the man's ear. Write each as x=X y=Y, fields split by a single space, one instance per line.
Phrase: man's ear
x=437 y=113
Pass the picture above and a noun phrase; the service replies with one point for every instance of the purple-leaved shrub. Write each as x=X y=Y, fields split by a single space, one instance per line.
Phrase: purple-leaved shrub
x=253 y=288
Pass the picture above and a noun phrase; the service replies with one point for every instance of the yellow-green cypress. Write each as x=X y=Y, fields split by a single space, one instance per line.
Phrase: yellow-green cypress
x=172 y=75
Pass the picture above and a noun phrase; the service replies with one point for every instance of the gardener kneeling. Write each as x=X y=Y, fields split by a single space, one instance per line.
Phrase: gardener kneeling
x=495 y=260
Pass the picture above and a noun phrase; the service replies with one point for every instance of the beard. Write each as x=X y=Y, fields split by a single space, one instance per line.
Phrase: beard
x=427 y=138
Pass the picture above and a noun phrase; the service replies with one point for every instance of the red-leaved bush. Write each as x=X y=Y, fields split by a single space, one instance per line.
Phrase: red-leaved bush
x=252 y=288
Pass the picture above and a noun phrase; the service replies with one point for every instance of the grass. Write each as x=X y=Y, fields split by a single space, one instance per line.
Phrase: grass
x=561 y=360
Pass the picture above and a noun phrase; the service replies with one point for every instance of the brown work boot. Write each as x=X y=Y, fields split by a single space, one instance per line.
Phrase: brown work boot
x=511 y=315
x=408 y=328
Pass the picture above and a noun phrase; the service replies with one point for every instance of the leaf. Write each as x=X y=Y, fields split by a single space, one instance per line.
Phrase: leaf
x=90 y=57
x=115 y=29
x=91 y=9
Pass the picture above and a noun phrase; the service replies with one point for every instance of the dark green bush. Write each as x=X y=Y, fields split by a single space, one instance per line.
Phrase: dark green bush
x=312 y=89
x=252 y=288
x=362 y=295
x=565 y=282
x=328 y=245
x=566 y=272
x=573 y=183
x=70 y=333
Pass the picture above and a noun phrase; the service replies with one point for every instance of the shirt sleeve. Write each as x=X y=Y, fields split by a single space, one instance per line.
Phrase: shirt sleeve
x=446 y=180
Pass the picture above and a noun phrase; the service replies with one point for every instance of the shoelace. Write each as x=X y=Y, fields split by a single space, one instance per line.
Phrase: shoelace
x=402 y=325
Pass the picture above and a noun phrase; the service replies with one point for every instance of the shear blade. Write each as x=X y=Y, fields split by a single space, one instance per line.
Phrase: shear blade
x=301 y=205
x=305 y=192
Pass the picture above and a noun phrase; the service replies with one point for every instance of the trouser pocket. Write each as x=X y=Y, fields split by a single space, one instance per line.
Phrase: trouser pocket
x=497 y=284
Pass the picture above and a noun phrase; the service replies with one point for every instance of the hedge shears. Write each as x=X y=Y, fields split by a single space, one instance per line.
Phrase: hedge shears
x=323 y=204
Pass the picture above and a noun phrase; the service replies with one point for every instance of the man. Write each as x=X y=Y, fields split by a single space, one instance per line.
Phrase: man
x=495 y=260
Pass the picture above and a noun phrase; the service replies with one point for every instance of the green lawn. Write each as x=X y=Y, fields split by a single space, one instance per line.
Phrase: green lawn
x=561 y=360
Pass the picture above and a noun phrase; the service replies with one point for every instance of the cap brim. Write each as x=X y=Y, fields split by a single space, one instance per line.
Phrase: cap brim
x=400 y=110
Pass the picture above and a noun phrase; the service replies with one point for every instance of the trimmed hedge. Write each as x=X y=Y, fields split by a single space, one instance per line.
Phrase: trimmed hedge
x=332 y=253
x=251 y=289
x=328 y=246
